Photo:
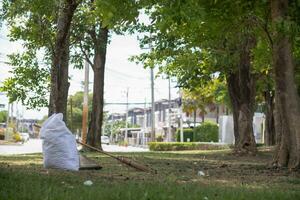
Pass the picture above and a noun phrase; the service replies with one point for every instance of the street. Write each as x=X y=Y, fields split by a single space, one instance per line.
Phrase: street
x=35 y=146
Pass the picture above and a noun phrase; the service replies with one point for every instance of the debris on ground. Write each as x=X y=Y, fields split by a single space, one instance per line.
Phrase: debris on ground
x=201 y=173
x=88 y=183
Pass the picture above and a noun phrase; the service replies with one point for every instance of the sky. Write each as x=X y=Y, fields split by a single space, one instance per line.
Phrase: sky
x=120 y=74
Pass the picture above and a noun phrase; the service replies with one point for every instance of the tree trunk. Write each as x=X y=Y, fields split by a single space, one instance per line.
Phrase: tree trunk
x=195 y=116
x=60 y=59
x=286 y=96
x=269 y=136
x=241 y=87
x=95 y=128
x=217 y=114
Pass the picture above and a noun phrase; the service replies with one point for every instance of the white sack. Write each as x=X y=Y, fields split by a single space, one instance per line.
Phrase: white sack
x=59 y=144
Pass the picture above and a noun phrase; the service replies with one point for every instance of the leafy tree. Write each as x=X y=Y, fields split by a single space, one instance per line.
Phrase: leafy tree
x=195 y=40
x=75 y=110
x=60 y=57
x=285 y=21
x=33 y=23
x=48 y=25
x=44 y=27
x=92 y=24
x=3 y=116
x=113 y=128
x=213 y=92
x=29 y=83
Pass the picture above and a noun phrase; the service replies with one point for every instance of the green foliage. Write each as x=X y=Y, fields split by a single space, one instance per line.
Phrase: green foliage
x=75 y=118
x=178 y=146
x=17 y=137
x=3 y=116
x=187 y=133
x=114 y=127
x=33 y=23
x=29 y=83
x=206 y=132
x=91 y=18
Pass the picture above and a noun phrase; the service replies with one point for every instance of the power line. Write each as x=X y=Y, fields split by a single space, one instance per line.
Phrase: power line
x=121 y=103
x=124 y=74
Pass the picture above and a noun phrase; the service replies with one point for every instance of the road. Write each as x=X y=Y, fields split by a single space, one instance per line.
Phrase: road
x=35 y=146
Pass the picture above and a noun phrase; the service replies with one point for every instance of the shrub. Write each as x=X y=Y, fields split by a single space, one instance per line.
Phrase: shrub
x=17 y=137
x=159 y=138
x=187 y=133
x=206 y=132
x=177 y=146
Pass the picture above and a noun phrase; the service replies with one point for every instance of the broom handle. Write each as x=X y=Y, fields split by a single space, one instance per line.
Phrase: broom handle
x=96 y=149
x=121 y=159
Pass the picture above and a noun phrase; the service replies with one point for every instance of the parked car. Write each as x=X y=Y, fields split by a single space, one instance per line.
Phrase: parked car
x=104 y=139
x=24 y=136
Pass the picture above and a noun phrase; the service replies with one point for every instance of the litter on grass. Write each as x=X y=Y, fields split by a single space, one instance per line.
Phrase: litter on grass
x=201 y=173
x=59 y=144
x=88 y=183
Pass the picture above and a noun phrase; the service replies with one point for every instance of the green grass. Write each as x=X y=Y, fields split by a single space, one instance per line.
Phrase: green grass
x=227 y=177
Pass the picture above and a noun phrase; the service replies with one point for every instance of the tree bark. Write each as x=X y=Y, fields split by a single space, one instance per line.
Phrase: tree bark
x=241 y=87
x=60 y=60
x=95 y=128
x=270 y=134
x=287 y=100
x=195 y=116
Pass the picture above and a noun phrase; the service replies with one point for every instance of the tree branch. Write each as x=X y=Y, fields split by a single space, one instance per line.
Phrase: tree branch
x=85 y=55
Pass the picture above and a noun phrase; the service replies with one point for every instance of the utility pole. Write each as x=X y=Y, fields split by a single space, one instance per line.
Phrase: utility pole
x=169 y=116
x=85 y=102
x=126 y=122
x=181 y=119
x=152 y=107
x=152 y=138
x=7 y=122
x=71 y=113
x=111 y=127
x=145 y=123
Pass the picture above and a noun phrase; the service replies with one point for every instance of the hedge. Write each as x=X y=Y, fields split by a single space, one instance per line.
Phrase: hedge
x=187 y=133
x=176 y=146
x=206 y=132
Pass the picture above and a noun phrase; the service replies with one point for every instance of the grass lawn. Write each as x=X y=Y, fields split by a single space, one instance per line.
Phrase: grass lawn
x=226 y=177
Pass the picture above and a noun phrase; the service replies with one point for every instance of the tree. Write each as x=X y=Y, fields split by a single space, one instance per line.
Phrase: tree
x=74 y=119
x=93 y=21
x=32 y=23
x=3 y=116
x=60 y=58
x=212 y=92
x=284 y=19
x=29 y=83
x=195 y=40
x=42 y=30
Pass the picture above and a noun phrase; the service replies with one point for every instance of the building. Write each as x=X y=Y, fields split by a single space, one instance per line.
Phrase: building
x=141 y=117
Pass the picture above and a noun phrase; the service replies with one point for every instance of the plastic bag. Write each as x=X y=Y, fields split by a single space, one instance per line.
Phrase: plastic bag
x=59 y=144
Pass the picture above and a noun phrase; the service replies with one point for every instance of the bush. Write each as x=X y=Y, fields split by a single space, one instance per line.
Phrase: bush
x=206 y=132
x=159 y=139
x=177 y=146
x=187 y=133
x=17 y=137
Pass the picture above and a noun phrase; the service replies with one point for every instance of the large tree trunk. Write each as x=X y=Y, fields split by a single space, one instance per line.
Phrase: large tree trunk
x=241 y=87
x=286 y=96
x=95 y=128
x=60 y=60
x=269 y=136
